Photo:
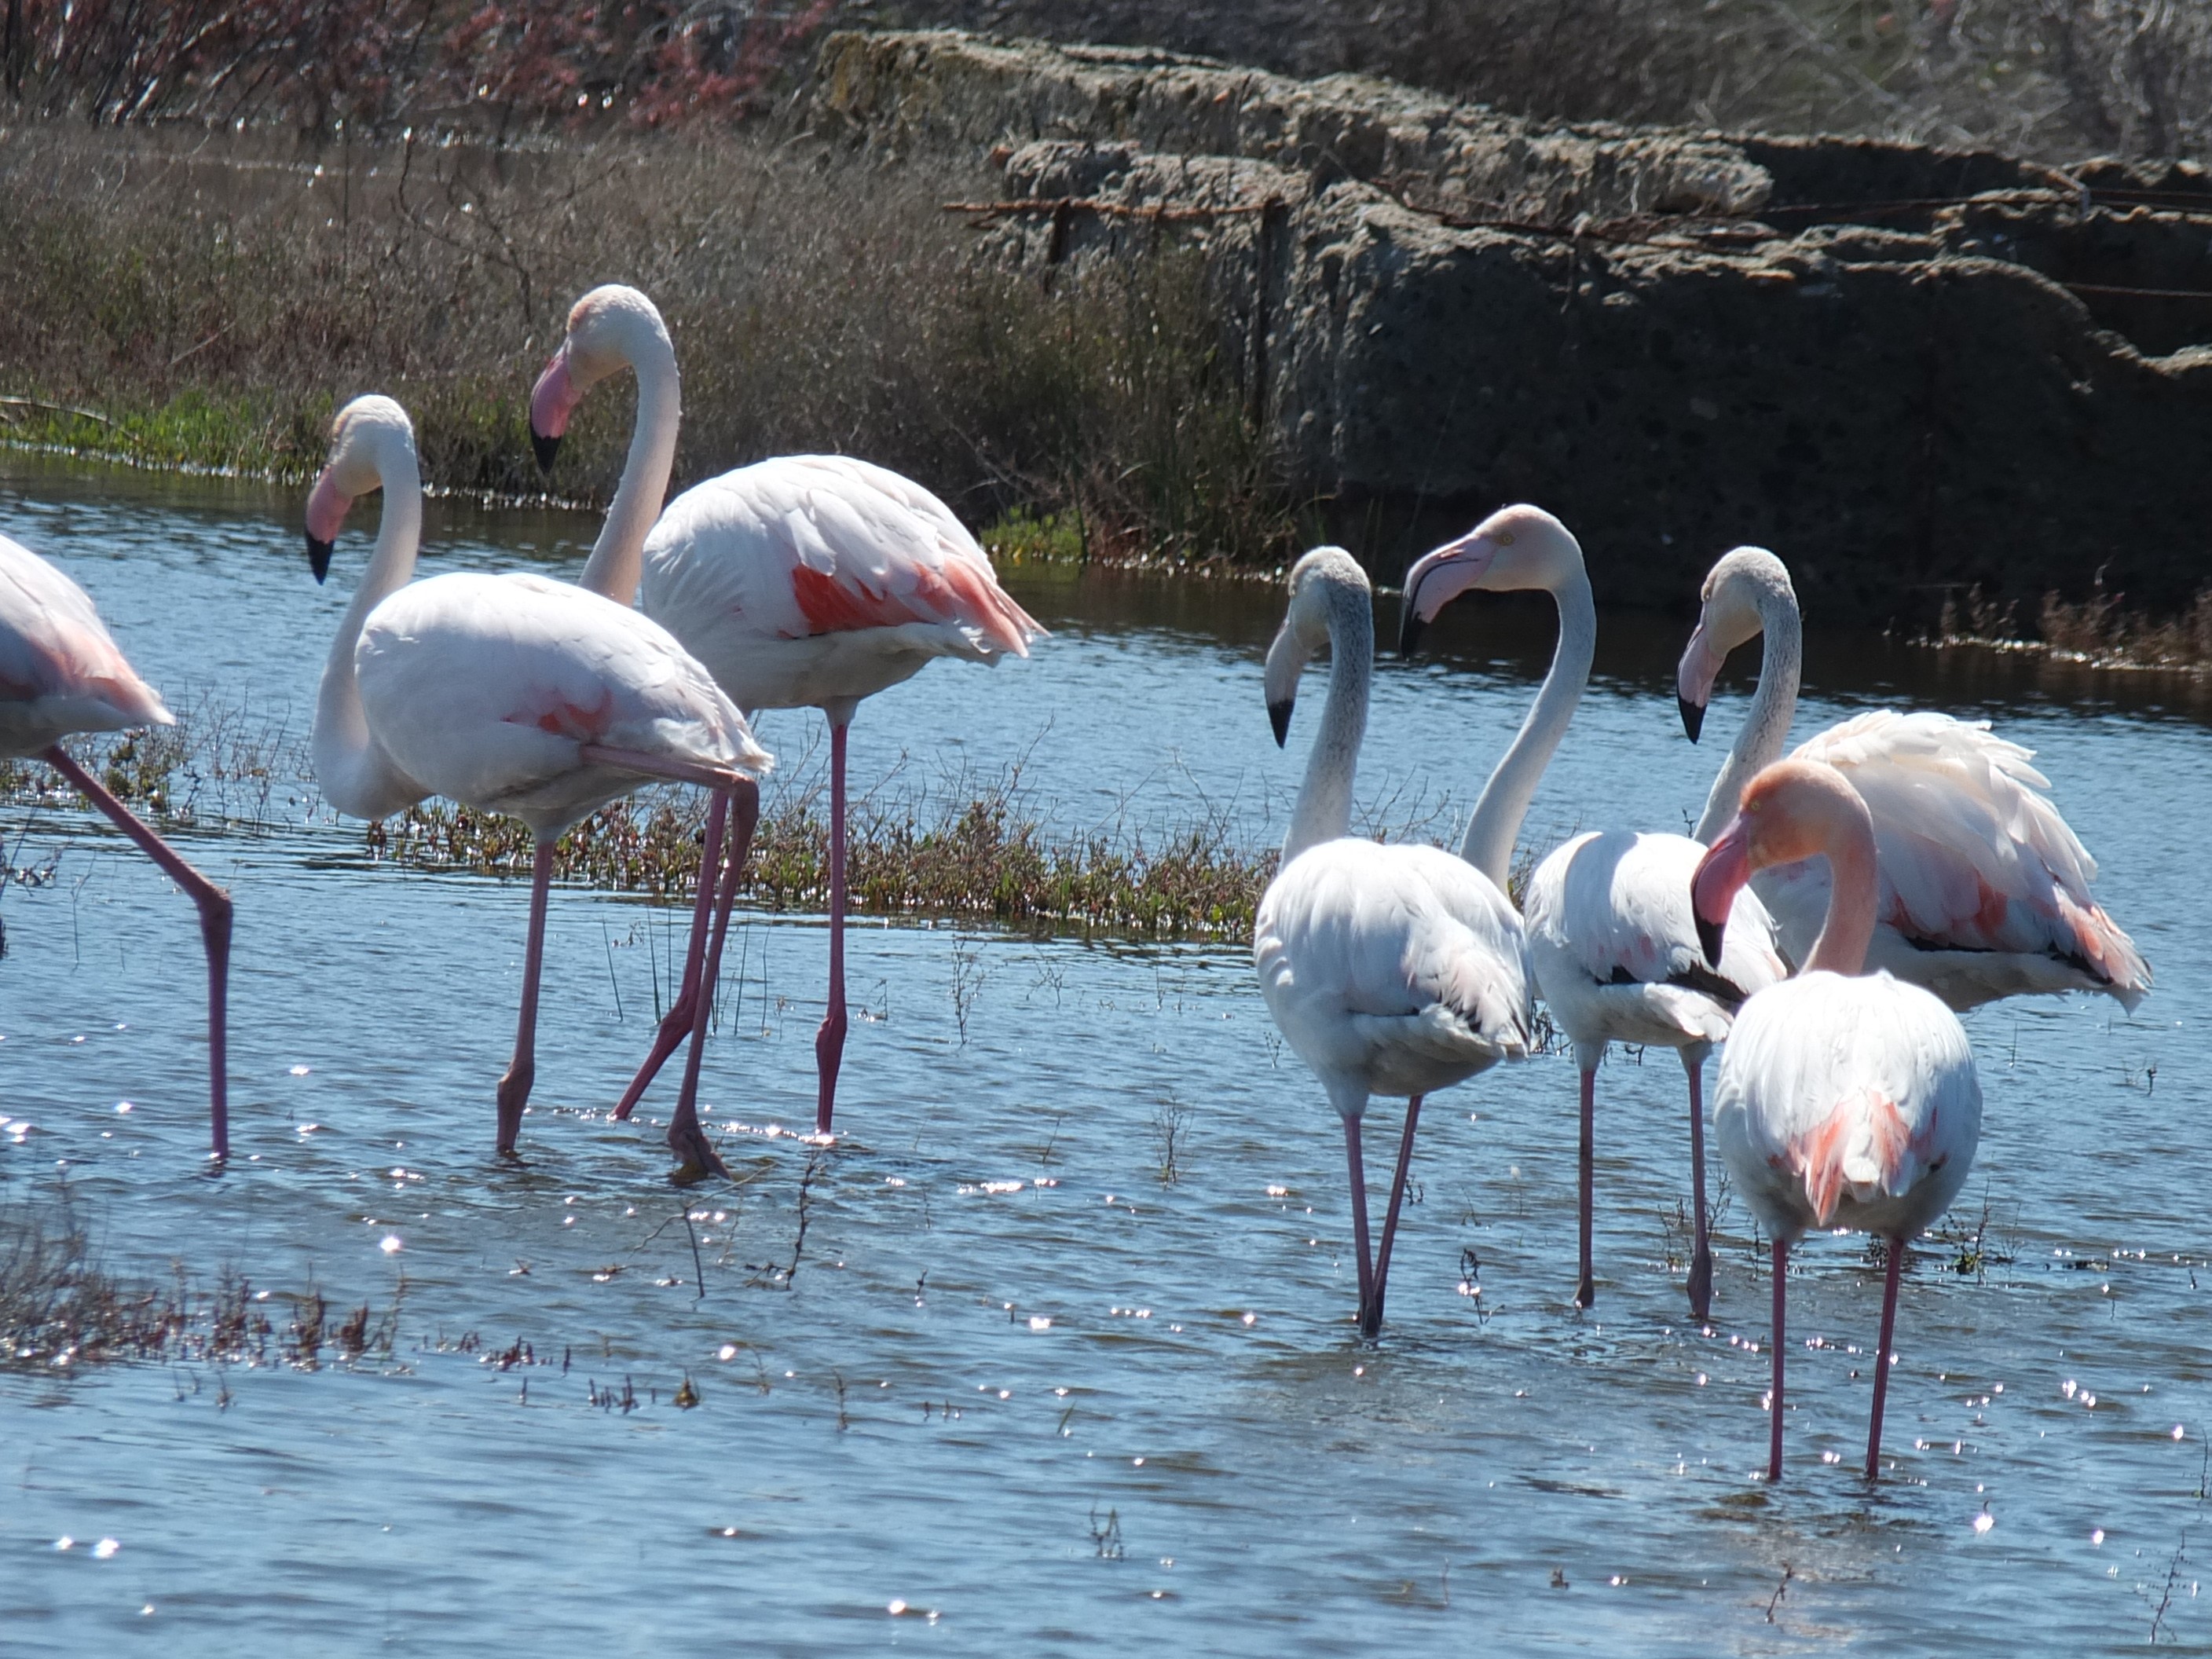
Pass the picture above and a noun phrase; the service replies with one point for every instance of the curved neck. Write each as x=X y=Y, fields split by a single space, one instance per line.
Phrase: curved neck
x=1852 y=890
x=617 y=556
x=1766 y=727
x=1324 y=808
x=1492 y=830
x=349 y=765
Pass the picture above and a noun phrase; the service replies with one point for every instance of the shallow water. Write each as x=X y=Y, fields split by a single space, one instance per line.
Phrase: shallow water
x=1023 y=1394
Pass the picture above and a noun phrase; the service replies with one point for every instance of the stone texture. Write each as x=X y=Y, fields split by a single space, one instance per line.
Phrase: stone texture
x=1903 y=368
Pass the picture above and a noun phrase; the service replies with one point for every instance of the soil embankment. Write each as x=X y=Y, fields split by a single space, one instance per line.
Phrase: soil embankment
x=1908 y=369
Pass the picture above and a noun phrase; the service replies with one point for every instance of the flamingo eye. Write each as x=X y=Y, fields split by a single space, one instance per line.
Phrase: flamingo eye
x=1503 y=538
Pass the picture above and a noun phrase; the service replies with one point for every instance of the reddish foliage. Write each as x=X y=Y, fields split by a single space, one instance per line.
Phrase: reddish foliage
x=382 y=62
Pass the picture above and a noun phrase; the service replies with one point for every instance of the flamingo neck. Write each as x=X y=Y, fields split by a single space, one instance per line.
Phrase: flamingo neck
x=1773 y=706
x=351 y=768
x=1492 y=830
x=1324 y=808
x=617 y=558
x=1849 y=928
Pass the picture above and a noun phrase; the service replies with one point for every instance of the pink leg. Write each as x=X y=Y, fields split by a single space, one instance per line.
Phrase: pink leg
x=515 y=1086
x=1359 y=1216
x=1701 y=1256
x=676 y=1024
x=1585 y=1289
x=829 y=1041
x=1372 y=1324
x=1882 y=1357
x=214 y=909
x=1774 y=1443
x=686 y=1136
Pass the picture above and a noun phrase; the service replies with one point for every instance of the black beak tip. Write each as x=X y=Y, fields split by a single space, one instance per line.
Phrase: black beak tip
x=1410 y=629
x=1278 y=716
x=319 y=558
x=1709 y=939
x=1693 y=715
x=545 y=449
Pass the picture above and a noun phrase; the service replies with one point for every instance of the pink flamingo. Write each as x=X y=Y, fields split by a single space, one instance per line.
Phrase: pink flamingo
x=1610 y=935
x=509 y=694
x=61 y=672
x=1845 y=1097
x=803 y=581
x=1388 y=969
x=1984 y=887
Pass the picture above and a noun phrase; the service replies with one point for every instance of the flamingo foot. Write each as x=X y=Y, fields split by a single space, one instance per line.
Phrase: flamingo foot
x=514 y=1096
x=697 y=1156
x=675 y=1026
x=1701 y=1285
x=1585 y=1292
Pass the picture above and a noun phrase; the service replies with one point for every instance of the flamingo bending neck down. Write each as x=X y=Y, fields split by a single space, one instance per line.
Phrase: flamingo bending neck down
x=1845 y=1098
x=802 y=581
x=1611 y=937
x=1389 y=969
x=62 y=673
x=1984 y=889
x=508 y=694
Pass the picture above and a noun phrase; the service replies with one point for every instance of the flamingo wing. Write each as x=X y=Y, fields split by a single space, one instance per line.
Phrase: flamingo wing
x=60 y=670
x=1974 y=856
x=803 y=545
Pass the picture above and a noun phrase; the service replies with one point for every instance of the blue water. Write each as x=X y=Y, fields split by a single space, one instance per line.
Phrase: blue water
x=1022 y=1393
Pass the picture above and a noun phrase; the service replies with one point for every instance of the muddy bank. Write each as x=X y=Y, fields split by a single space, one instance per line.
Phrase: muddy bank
x=1908 y=369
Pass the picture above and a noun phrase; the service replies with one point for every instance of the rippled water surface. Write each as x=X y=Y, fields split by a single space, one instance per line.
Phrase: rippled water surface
x=1021 y=1393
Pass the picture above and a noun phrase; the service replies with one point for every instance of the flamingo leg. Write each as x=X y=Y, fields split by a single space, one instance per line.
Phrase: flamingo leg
x=514 y=1085
x=214 y=909
x=1882 y=1356
x=1585 y=1288
x=1372 y=1324
x=1359 y=1216
x=829 y=1041
x=1774 y=1442
x=676 y=1024
x=686 y=1138
x=1701 y=1255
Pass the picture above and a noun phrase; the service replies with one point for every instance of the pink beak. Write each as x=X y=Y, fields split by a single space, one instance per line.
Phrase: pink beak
x=1693 y=680
x=326 y=511
x=552 y=400
x=1438 y=578
x=1721 y=875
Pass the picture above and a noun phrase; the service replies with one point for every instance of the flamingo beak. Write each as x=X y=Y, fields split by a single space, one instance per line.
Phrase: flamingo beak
x=1721 y=875
x=1693 y=680
x=1279 y=715
x=326 y=511
x=1693 y=715
x=552 y=400
x=1436 y=579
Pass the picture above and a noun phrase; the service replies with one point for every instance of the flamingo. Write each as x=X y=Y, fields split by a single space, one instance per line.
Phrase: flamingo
x=1847 y=1098
x=1615 y=947
x=1393 y=970
x=62 y=673
x=801 y=581
x=509 y=694
x=1984 y=888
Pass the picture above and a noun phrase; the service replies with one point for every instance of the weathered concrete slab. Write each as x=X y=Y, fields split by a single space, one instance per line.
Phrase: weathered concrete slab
x=1900 y=366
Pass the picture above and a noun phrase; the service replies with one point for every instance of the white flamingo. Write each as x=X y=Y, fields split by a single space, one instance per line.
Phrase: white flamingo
x=1984 y=888
x=1845 y=1098
x=509 y=694
x=61 y=672
x=1610 y=933
x=1393 y=970
x=803 y=581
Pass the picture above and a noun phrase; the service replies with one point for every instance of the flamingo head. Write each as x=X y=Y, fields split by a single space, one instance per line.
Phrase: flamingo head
x=1734 y=612
x=360 y=438
x=1320 y=580
x=1515 y=548
x=609 y=330
x=1794 y=810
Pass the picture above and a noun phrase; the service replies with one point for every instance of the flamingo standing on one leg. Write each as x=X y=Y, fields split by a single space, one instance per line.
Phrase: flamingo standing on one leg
x=509 y=694
x=1984 y=887
x=804 y=582
x=1845 y=1097
x=61 y=672
x=1610 y=934
x=1395 y=970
